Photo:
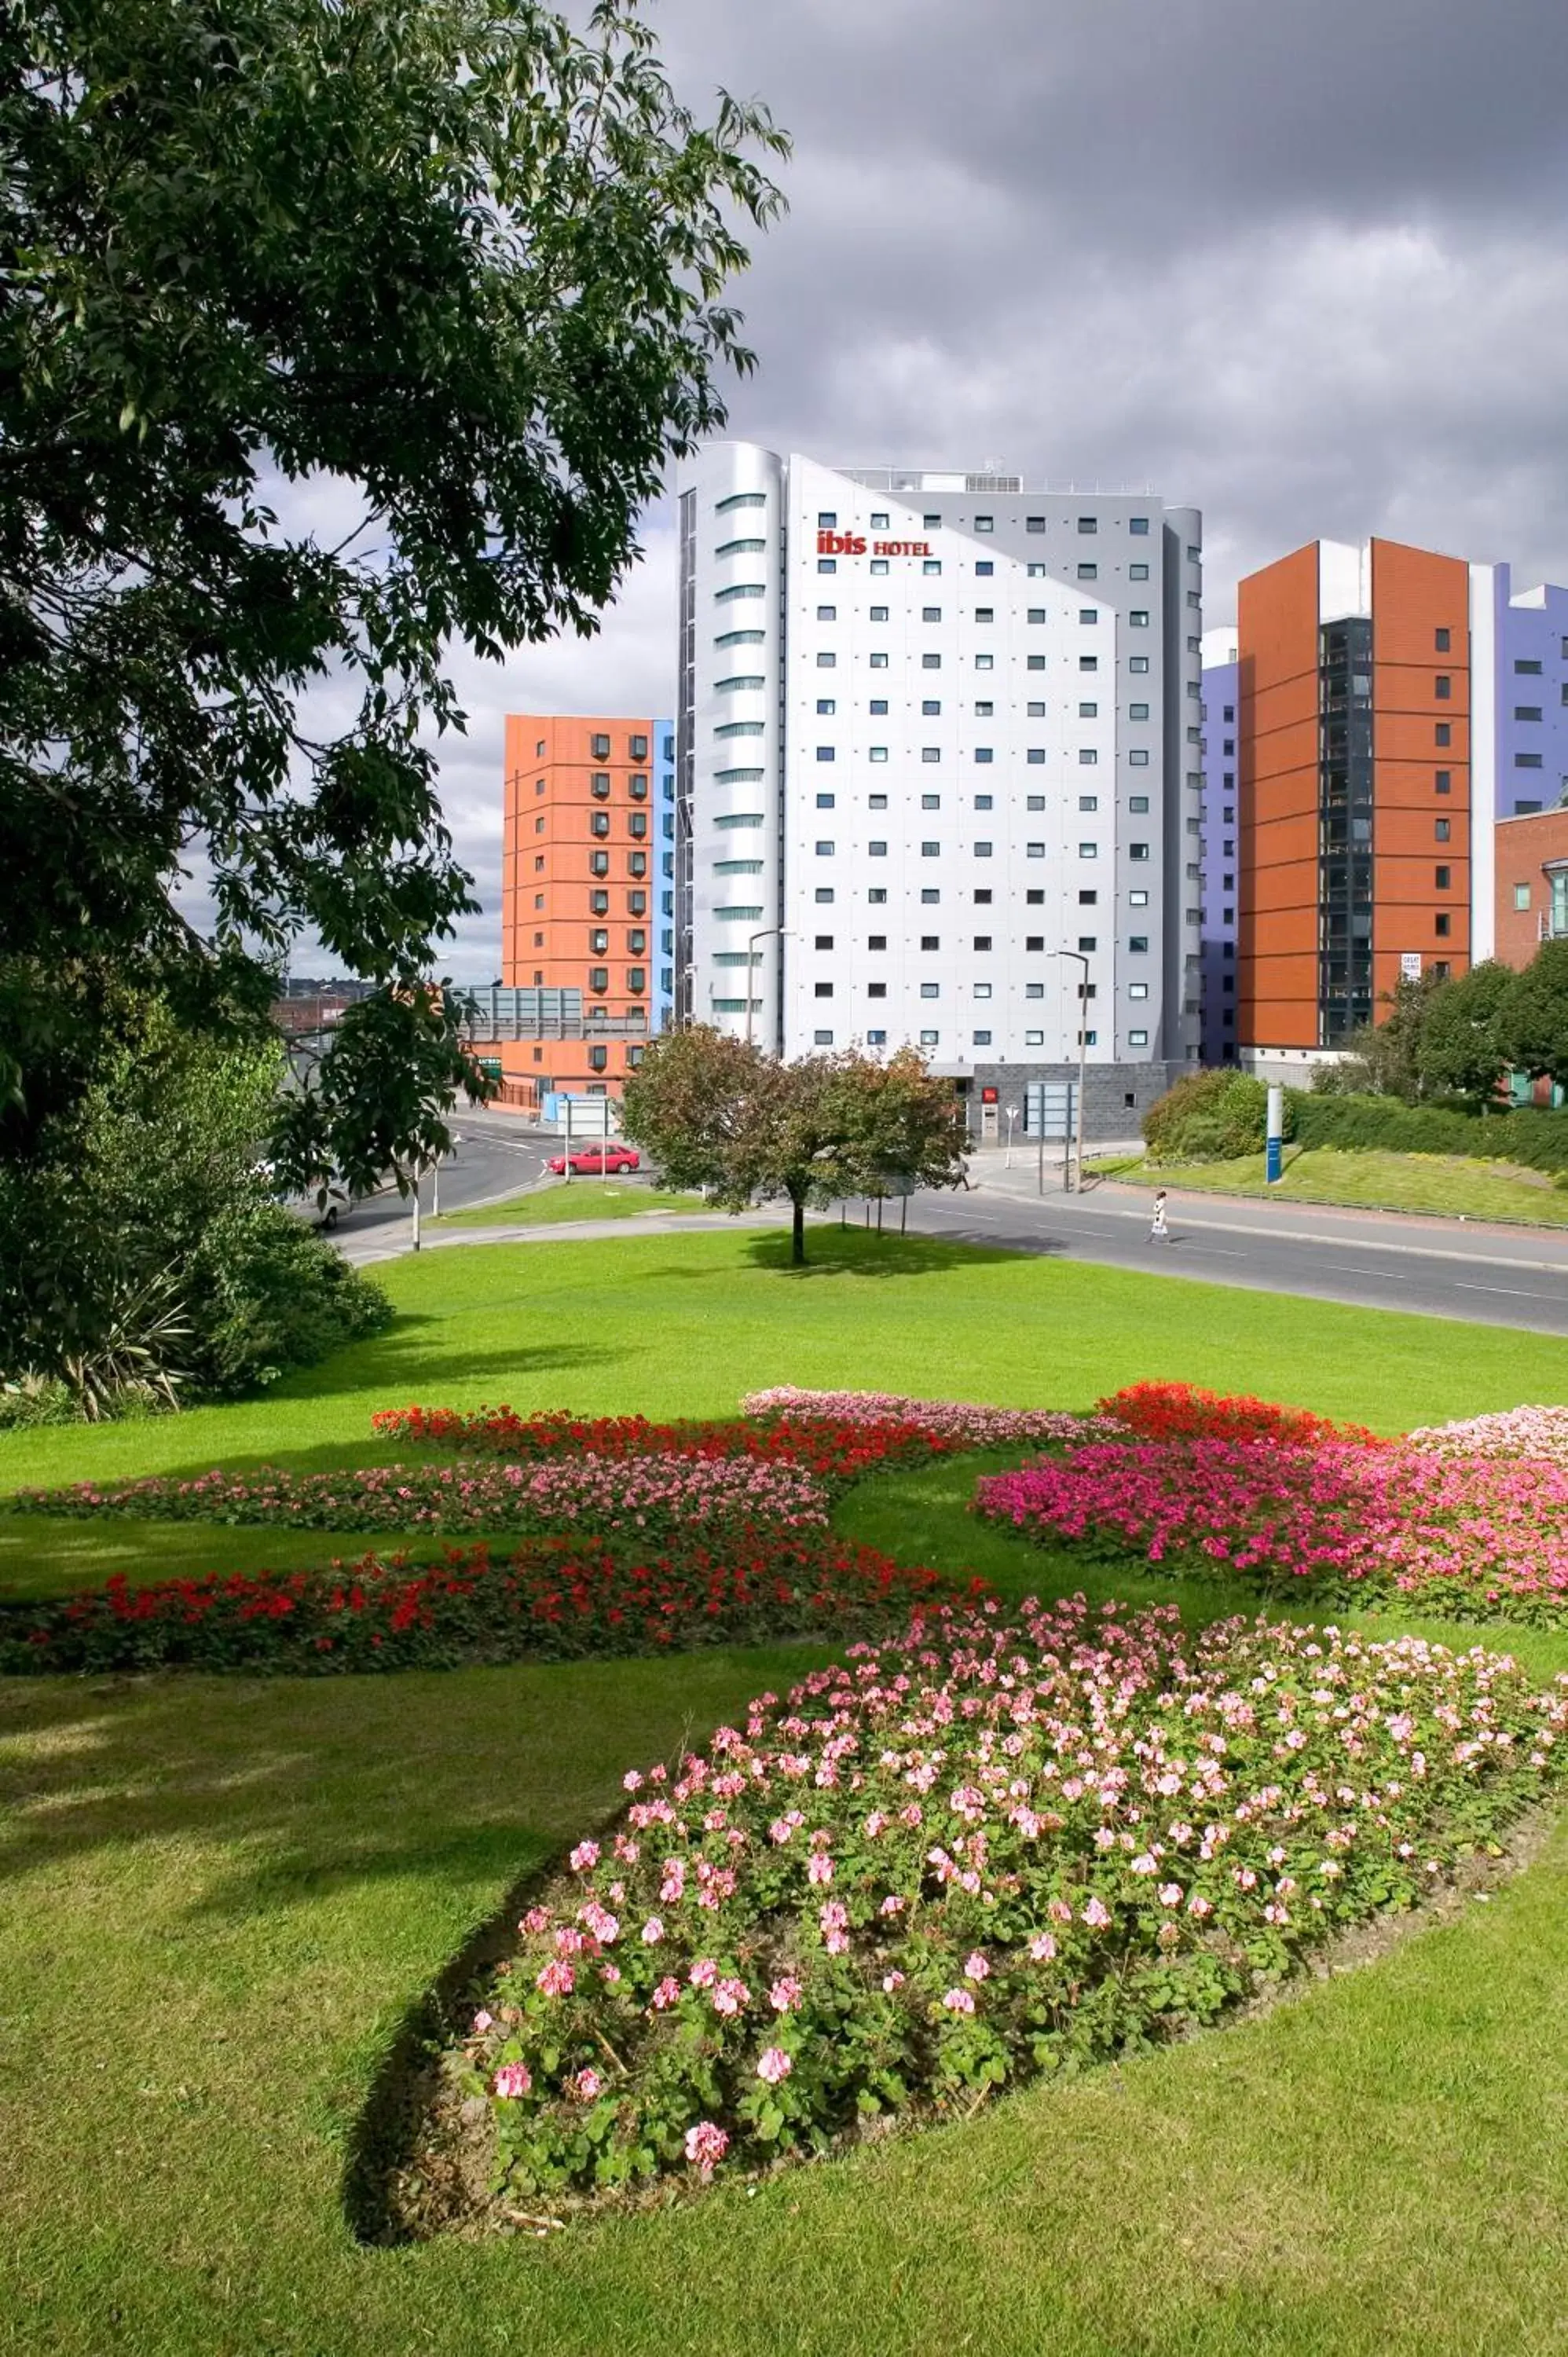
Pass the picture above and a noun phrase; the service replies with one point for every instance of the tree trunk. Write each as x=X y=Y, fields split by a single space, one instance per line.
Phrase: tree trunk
x=797 y=1234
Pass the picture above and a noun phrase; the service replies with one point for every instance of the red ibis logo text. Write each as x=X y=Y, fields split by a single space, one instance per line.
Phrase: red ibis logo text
x=852 y=544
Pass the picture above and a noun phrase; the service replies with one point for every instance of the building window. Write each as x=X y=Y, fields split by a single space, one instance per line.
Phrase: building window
x=598 y=943
x=822 y=1038
x=930 y=753
x=598 y=1060
x=984 y=567
x=1521 y=665
x=982 y=851
x=825 y=752
x=1034 y=523
x=1138 y=662
x=599 y=821
x=825 y=851
x=984 y=523
x=929 y=1039
x=879 y=613
x=822 y=895
x=1139 y=524
x=930 y=613
x=984 y=802
x=1137 y=1038
x=1443 y=879
x=1087 y=756
x=1526 y=712
x=1441 y=828
x=1527 y=762
x=1521 y=896
x=598 y=980
x=931 y=802
x=1138 y=619
x=1089 y=851
x=1089 y=572
x=930 y=850
x=928 y=662
x=877 y=850
x=637 y=788
x=636 y=822
x=1445 y=781
x=827 y=662
x=826 y=706
x=827 y=519
x=1443 y=687
x=1444 y=925
x=823 y=989
x=598 y=863
x=1137 y=851
x=876 y=990
x=982 y=990
x=1089 y=802
x=930 y=990
x=1137 y=572
x=878 y=753
x=636 y=980
x=982 y=1039
x=1442 y=734
x=984 y=753
x=1440 y=640
x=827 y=613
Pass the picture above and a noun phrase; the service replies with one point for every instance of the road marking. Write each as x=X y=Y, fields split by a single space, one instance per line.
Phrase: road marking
x=1519 y=1292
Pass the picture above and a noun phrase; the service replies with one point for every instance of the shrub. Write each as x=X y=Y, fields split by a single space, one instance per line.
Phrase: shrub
x=1208 y=1117
x=553 y=1599
x=834 y=1448
x=269 y=1294
x=38 y=1400
x=913 y=1882
x=1535 y=1138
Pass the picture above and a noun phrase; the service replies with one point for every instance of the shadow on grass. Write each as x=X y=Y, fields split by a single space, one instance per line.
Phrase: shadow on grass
x=852 y=1251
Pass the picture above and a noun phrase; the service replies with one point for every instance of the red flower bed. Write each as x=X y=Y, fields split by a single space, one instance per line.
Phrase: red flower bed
x=551 y=1601
x=836 y=1448
x=1153 y=1411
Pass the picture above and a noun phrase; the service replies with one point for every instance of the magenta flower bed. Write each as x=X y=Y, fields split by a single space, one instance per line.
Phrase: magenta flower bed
x=645 y=1496
x=996 y=1848
x=1466 y=1535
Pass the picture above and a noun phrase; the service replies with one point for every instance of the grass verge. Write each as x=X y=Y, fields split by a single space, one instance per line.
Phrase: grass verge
x=1371 y=1179
x=578 y=1198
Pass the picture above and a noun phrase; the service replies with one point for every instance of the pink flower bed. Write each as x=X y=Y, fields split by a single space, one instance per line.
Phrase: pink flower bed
x=645 y=1495
x=1537 y=1432
x=973 y=1425
x=994 y=1848
x=1468 y=1535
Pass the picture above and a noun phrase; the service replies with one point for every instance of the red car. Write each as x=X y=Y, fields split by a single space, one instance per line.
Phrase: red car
x=597 y=1161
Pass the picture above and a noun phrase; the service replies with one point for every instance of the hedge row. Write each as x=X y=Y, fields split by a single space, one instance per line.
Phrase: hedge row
x=1538 y=1140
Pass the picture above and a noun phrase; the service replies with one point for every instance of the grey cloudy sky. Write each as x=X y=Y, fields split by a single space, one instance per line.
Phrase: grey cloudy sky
x=1305 y=267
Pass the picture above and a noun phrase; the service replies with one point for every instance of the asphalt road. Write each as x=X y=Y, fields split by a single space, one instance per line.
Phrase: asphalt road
x=1374 y=1260
x=496 y=1156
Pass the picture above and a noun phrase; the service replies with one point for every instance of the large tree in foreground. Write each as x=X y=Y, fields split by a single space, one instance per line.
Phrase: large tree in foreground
x=718 y=1113
x=451 y=268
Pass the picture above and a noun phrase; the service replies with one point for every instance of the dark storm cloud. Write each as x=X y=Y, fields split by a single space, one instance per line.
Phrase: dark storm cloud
x=1302 y=266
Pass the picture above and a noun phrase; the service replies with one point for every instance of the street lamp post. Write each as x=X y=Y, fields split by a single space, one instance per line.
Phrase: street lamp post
x=1080 y=959
x=766 y=934
x=1012 y=1113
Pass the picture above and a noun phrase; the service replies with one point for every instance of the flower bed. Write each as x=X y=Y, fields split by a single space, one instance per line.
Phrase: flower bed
x=1540 y=1433
x=1468 y=1536
x=1155 y=1411
x=992 y=1849
x=651 y=1497
x=548 y=1601
x=957 y=1423
x=833 y=1448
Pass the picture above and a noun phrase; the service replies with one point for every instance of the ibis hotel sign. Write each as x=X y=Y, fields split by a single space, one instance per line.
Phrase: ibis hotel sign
x=853 y=544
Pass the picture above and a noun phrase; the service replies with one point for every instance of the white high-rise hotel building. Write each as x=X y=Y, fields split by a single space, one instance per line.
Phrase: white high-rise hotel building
x=933 y=730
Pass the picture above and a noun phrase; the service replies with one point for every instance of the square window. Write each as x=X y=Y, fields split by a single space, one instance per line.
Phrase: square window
x=877 y=802
x=984 y=711
x=879 y=613
x=827 y=565
x=1089 y=572
x=1089 y=851
x=982 y=990
x=823 y=989
x=930 y=613
x=1033 y=990
x=827 y=519
x=1089 y=802
x=1035 y=801
x=879 y=564
x=1035 y=662
x=929 y=1039
x=1137 y=900
x=983 y=942
x=1138 y=804
x=931 y=564
x=1034 y=523
x=985 y=613
x=1138 y=662
x=1137 y=1038
x=1138 y=618
x=1137 y=572
x=879 y=521
x=876 y=895
x=1137 y=851
x=1138 y=944
x=877 y=850
x=876 y=990
x=1137 y=711
x=823 y=894
x=827 y=662
x=1137 y=990
x=878 y=753
x=930 y=523
x=982 y=1039
x=1089 y=523
x=984 y=753
x=1138 y=524
x=984 y=523
x=825 y=851
x=930 y=895
x=822 y=1038
x=984 y=662
x=928 y=662
x=827 y=613
x=930 y=990
x=930 y=753
x=985 y=566
x=982 y=900
x=826 y=705
x=826 y=802
x=931 y=802
x=877 y=662
x=1089 y=711
x=930 y=850
x=878 y=704
x=825 y=753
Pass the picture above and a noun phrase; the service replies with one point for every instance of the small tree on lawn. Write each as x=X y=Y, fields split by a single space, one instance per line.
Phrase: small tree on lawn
x=717 y=1113
x=1532 y=1022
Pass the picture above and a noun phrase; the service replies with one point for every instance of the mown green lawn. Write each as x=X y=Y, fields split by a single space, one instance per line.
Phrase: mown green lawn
x=223 y=1895
x=1370 y=1178
x=574 y=1198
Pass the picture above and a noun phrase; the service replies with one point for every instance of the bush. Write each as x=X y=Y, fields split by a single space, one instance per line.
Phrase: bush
x=1533 y=1137
x=266 y=1293
x=897 y=1890
x=1209 y=1116
x=36 y=1400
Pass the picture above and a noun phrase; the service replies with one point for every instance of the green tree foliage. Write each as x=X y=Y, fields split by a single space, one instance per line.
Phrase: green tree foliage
x=455 y=267
x=1533 y=1021
x=142 y=1254
x=1385 y=1056
x=1460 y=1047
x=719 y=1113
x=1209 y=1116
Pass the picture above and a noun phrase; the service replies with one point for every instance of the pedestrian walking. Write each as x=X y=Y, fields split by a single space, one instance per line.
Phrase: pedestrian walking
x=1159 y=1233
